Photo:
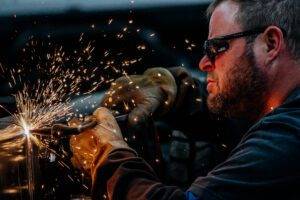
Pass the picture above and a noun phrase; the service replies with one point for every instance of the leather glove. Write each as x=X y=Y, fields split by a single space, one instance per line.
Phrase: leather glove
x=157 y=91
x=91 y=147
x=154 y=92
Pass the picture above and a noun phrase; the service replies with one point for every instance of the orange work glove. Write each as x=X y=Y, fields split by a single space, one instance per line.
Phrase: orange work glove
x=91 y=147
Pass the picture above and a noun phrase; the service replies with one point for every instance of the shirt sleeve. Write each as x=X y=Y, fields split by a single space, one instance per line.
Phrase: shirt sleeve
x=190 y=196
x=126 y=176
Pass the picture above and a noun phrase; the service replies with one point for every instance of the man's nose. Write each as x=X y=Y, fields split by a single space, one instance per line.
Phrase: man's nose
x=206 y=65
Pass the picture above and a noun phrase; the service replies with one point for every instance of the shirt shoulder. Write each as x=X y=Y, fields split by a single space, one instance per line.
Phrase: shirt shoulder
x=266 y=162
x=283 y=120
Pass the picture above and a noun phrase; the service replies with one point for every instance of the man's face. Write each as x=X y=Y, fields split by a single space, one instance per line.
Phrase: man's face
x=235 y=82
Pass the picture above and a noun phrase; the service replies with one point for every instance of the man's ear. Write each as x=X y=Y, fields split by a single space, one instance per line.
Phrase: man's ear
x=274 y=41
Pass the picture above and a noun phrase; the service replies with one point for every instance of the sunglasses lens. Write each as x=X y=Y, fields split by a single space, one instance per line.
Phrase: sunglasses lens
x=209 y=50
x=213 y=47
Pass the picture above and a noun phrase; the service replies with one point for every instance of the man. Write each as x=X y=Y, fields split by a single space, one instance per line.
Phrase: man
x=252 y=62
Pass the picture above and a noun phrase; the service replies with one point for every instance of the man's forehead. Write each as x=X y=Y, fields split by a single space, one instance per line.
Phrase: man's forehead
x=223 y=21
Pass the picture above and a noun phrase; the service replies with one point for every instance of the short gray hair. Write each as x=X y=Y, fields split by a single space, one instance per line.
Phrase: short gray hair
x=259 y=13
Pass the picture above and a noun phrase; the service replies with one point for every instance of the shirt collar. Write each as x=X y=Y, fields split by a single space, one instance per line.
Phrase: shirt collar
x=295 y=94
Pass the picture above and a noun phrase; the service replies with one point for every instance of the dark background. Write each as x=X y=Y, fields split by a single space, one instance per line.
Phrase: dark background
x=171 y=32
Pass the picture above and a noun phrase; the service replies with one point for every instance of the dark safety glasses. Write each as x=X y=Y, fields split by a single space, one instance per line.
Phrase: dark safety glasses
x=215 y=46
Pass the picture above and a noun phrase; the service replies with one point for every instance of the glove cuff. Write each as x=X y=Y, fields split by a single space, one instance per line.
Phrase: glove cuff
x=191 y=92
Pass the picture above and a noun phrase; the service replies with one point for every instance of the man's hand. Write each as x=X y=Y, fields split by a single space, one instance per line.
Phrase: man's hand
x=154 y=92
x=91 y=147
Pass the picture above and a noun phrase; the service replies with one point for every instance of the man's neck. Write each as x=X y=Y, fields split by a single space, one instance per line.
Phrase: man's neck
x=283 y=82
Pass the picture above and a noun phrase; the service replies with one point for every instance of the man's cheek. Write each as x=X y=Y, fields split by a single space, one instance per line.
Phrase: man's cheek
x=223 y=80
x=219 y=87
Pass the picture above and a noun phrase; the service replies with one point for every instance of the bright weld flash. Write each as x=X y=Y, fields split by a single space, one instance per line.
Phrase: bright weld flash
x=26 y=131
x=25 y=127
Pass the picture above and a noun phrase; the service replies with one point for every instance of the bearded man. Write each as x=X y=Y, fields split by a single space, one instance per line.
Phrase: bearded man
x=253 y=72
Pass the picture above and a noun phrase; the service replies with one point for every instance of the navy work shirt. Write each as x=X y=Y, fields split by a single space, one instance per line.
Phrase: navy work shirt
x=265 y=164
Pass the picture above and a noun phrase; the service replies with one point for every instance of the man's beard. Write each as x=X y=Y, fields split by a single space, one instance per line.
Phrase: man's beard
x=244 y=93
